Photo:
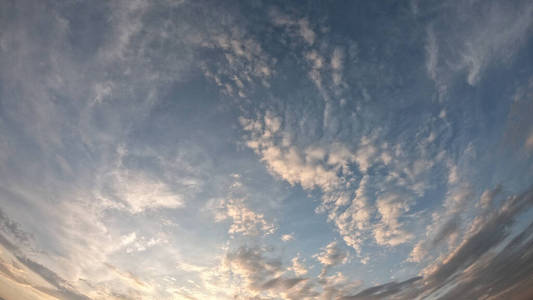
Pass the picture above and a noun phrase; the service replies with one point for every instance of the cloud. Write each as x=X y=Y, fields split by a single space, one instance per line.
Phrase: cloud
x=300 y=28
x=258 y=272
x=389 y=231
x=261 y=274
x=306 y=32
x=478 y=267
x=235 y=207
x=36 y=278
x=356 y=218
x=472 y=44
x=240 y=64
x=487 y=198
x=445 y=225
x=469 y=269
x=298 y=267
x=337 y=59
x=243 y=220
x=529 y=142
x=518 y=130
x=287 y=237
x=309 y=167
x=419 y=252
x=331 y=256
x=432 y=53
x=64 y=290
x=13 y=229
x=457 y=198
x=495 y=276
x=383 y=291
x=137 y=192
x=75 y=91
x=133 y=282
x=134 y=244
x=332 y=167
x=484 y=235
x=449 y=228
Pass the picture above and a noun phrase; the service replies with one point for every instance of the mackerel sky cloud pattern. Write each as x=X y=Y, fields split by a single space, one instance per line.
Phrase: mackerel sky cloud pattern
x=266 y=149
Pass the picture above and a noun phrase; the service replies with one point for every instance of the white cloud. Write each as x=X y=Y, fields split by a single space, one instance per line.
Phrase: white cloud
x=128 y=239
x=143 y=243
x=306 y=167
x=453 y=174
x=127 y=22
x=418 y=253
x=331 y=256
x=102 y=91
x=300 y=28
x=337 y=59
x=298 y=266
x=287 y=237
x=456 y=198
x=487 y=198
x=389 y=232
x=432 y=53
x=137 y=192
x=492 y=37
x=249 y=272
x=243 y=220
x=356 y=218
x=245 y=64
x=306 y=32
x=446 y=224
x=329 y=167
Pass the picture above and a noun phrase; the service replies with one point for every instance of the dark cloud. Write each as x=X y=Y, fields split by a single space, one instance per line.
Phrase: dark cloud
x=64 y=291
x=493 y=230
x=488 y=196
x=283 y=283
x=63 y=288
x=451 y=226
x=262 y=273
x=383 y=291
x=13 y=229
x=507 y=273
x=7 y=244
x=475 y=270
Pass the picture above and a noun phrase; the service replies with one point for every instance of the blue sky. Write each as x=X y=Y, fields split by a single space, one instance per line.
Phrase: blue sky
x=266 y=149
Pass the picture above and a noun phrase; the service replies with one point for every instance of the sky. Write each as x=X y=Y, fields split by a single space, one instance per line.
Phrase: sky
x=254 y=149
